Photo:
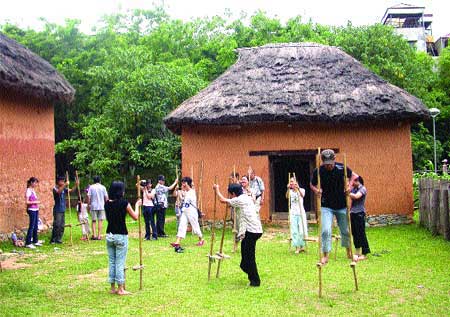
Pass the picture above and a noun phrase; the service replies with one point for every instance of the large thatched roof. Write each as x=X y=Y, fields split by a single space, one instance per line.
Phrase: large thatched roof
x=298 y=82
x=26 y=73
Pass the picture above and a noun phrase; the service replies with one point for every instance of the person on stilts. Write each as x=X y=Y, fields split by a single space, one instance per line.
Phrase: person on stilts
x=189 y=214
x=298 y=224
x=250 y=228
x=333 y=199
x=358 y=219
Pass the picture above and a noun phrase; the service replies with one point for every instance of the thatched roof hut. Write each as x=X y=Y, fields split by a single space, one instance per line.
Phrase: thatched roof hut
x=297 y=82
x=29 y=89
x=278 y=103
x=26 y=73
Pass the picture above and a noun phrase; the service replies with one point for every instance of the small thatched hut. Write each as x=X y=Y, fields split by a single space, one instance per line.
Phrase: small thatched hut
x=279 y=102
x=29 y=88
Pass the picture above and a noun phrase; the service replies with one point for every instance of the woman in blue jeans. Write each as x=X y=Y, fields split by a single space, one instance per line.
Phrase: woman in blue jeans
x=117 y=208
x=33 y=213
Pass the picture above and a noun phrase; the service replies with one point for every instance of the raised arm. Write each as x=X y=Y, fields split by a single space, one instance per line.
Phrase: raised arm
x=134 y=213
x=219 y=194
x=175 y=183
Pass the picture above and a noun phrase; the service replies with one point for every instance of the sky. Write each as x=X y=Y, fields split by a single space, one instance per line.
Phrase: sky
x=26 y=13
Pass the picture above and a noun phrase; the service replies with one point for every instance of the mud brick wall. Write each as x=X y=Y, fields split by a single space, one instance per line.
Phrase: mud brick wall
x=379 y=153
x=27 y=149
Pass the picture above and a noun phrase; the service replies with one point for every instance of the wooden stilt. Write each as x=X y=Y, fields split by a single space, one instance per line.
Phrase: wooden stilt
x=211 y=258
x=347 y=201
x=319 y=222
x=141 y=265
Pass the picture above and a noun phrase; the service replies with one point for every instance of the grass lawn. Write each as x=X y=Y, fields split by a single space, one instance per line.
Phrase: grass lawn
x=410 y=278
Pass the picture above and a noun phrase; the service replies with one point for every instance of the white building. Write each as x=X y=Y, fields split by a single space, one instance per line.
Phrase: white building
x=413 y=23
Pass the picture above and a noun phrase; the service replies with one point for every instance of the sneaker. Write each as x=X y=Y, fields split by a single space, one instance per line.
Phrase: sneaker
x=200 y=243
x=30 y=246
x=38 y=244
x=179 y=249
x=154 y=238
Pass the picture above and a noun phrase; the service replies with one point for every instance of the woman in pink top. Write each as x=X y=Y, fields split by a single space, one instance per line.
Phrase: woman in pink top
x=33 y=213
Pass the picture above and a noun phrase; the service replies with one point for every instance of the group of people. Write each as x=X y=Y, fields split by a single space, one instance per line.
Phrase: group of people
x=245 y=197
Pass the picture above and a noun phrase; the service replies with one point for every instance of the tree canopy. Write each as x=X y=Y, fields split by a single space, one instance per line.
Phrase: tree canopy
x=138 y=66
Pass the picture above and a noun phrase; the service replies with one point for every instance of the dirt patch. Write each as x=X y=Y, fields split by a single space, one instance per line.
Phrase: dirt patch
x=12 y=261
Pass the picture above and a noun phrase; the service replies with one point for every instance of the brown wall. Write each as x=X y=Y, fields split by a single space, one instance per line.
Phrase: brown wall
x=381 y=154
x=27 y=149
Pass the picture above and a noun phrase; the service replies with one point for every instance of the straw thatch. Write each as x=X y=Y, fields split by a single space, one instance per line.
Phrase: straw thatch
x=26 y=73
x=298 y=82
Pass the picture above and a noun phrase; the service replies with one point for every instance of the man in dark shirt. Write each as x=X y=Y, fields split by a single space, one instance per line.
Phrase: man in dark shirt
x=332 y=193
x=60 y=191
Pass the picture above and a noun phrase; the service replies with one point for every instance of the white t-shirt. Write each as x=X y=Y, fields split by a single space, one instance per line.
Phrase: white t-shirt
x=297 y=201
x=161 y=195
x=248 y=218
x=190 y=201
x=97 y=195
x=146 y=201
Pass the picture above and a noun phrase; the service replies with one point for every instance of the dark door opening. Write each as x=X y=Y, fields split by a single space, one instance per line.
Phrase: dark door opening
x=281 y=166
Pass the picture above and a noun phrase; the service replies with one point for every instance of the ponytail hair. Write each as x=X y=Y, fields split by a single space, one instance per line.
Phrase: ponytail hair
x=32 y=180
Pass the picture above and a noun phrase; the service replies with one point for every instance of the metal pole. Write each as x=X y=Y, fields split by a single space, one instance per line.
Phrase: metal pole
x=434 y=139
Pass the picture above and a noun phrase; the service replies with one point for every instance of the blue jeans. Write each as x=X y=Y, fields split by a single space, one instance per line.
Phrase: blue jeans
x=32 y=233
x=327 y=222
x=117 y=245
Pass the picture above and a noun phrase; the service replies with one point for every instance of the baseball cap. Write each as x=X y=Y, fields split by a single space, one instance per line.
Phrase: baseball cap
x=328 y=156
x=161 y=178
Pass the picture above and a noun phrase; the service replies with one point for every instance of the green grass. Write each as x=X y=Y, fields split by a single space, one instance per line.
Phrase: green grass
x=413 y=278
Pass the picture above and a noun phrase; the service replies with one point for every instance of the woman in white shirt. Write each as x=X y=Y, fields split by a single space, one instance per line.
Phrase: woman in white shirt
x=189 y=214
x=250 y=229
x=298 y=223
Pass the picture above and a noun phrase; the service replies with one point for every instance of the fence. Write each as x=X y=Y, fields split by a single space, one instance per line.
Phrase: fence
x=434 y=206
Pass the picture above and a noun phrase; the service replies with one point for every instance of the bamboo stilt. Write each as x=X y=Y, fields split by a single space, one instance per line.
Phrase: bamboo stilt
x=319 y=222
x=235 y=233
x=141 y=266
x=210 y=255
x=347 y=201
x=70 y=207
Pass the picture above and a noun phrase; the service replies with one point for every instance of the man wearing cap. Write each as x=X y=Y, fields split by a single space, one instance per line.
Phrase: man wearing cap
x=333 y=198
x=161 y=192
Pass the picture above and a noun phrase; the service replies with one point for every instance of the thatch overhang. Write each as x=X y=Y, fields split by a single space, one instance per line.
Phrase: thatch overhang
x=296 y=83
x=28 y=74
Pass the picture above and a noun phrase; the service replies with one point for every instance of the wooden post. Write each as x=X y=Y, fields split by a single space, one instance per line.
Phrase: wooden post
x=443 y=188
x=429 y=202
x=221 y=255
x=445 y=224
x=235 y=231
x=434 y=223
x=421 y=202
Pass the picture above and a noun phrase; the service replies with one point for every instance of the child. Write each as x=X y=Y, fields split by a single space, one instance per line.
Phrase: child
x=250 y=229
x=17 y=238
x=148 y=194
x=358 y=219
x=32 y=202
x=83 y=218
x=298 y=223
x=189 y=214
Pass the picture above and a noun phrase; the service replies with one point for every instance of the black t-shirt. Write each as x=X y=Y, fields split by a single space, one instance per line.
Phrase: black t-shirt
x=332 y=183
x=116 y=211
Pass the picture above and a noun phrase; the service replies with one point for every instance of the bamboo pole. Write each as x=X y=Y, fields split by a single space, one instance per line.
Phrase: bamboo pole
x=235 y=233
x=200 y=193
x=141 y=267
x=211 y=248
x=221 y=255
x=70 y=208
x=289 y=211
x=347 y=201
x=319 y=221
